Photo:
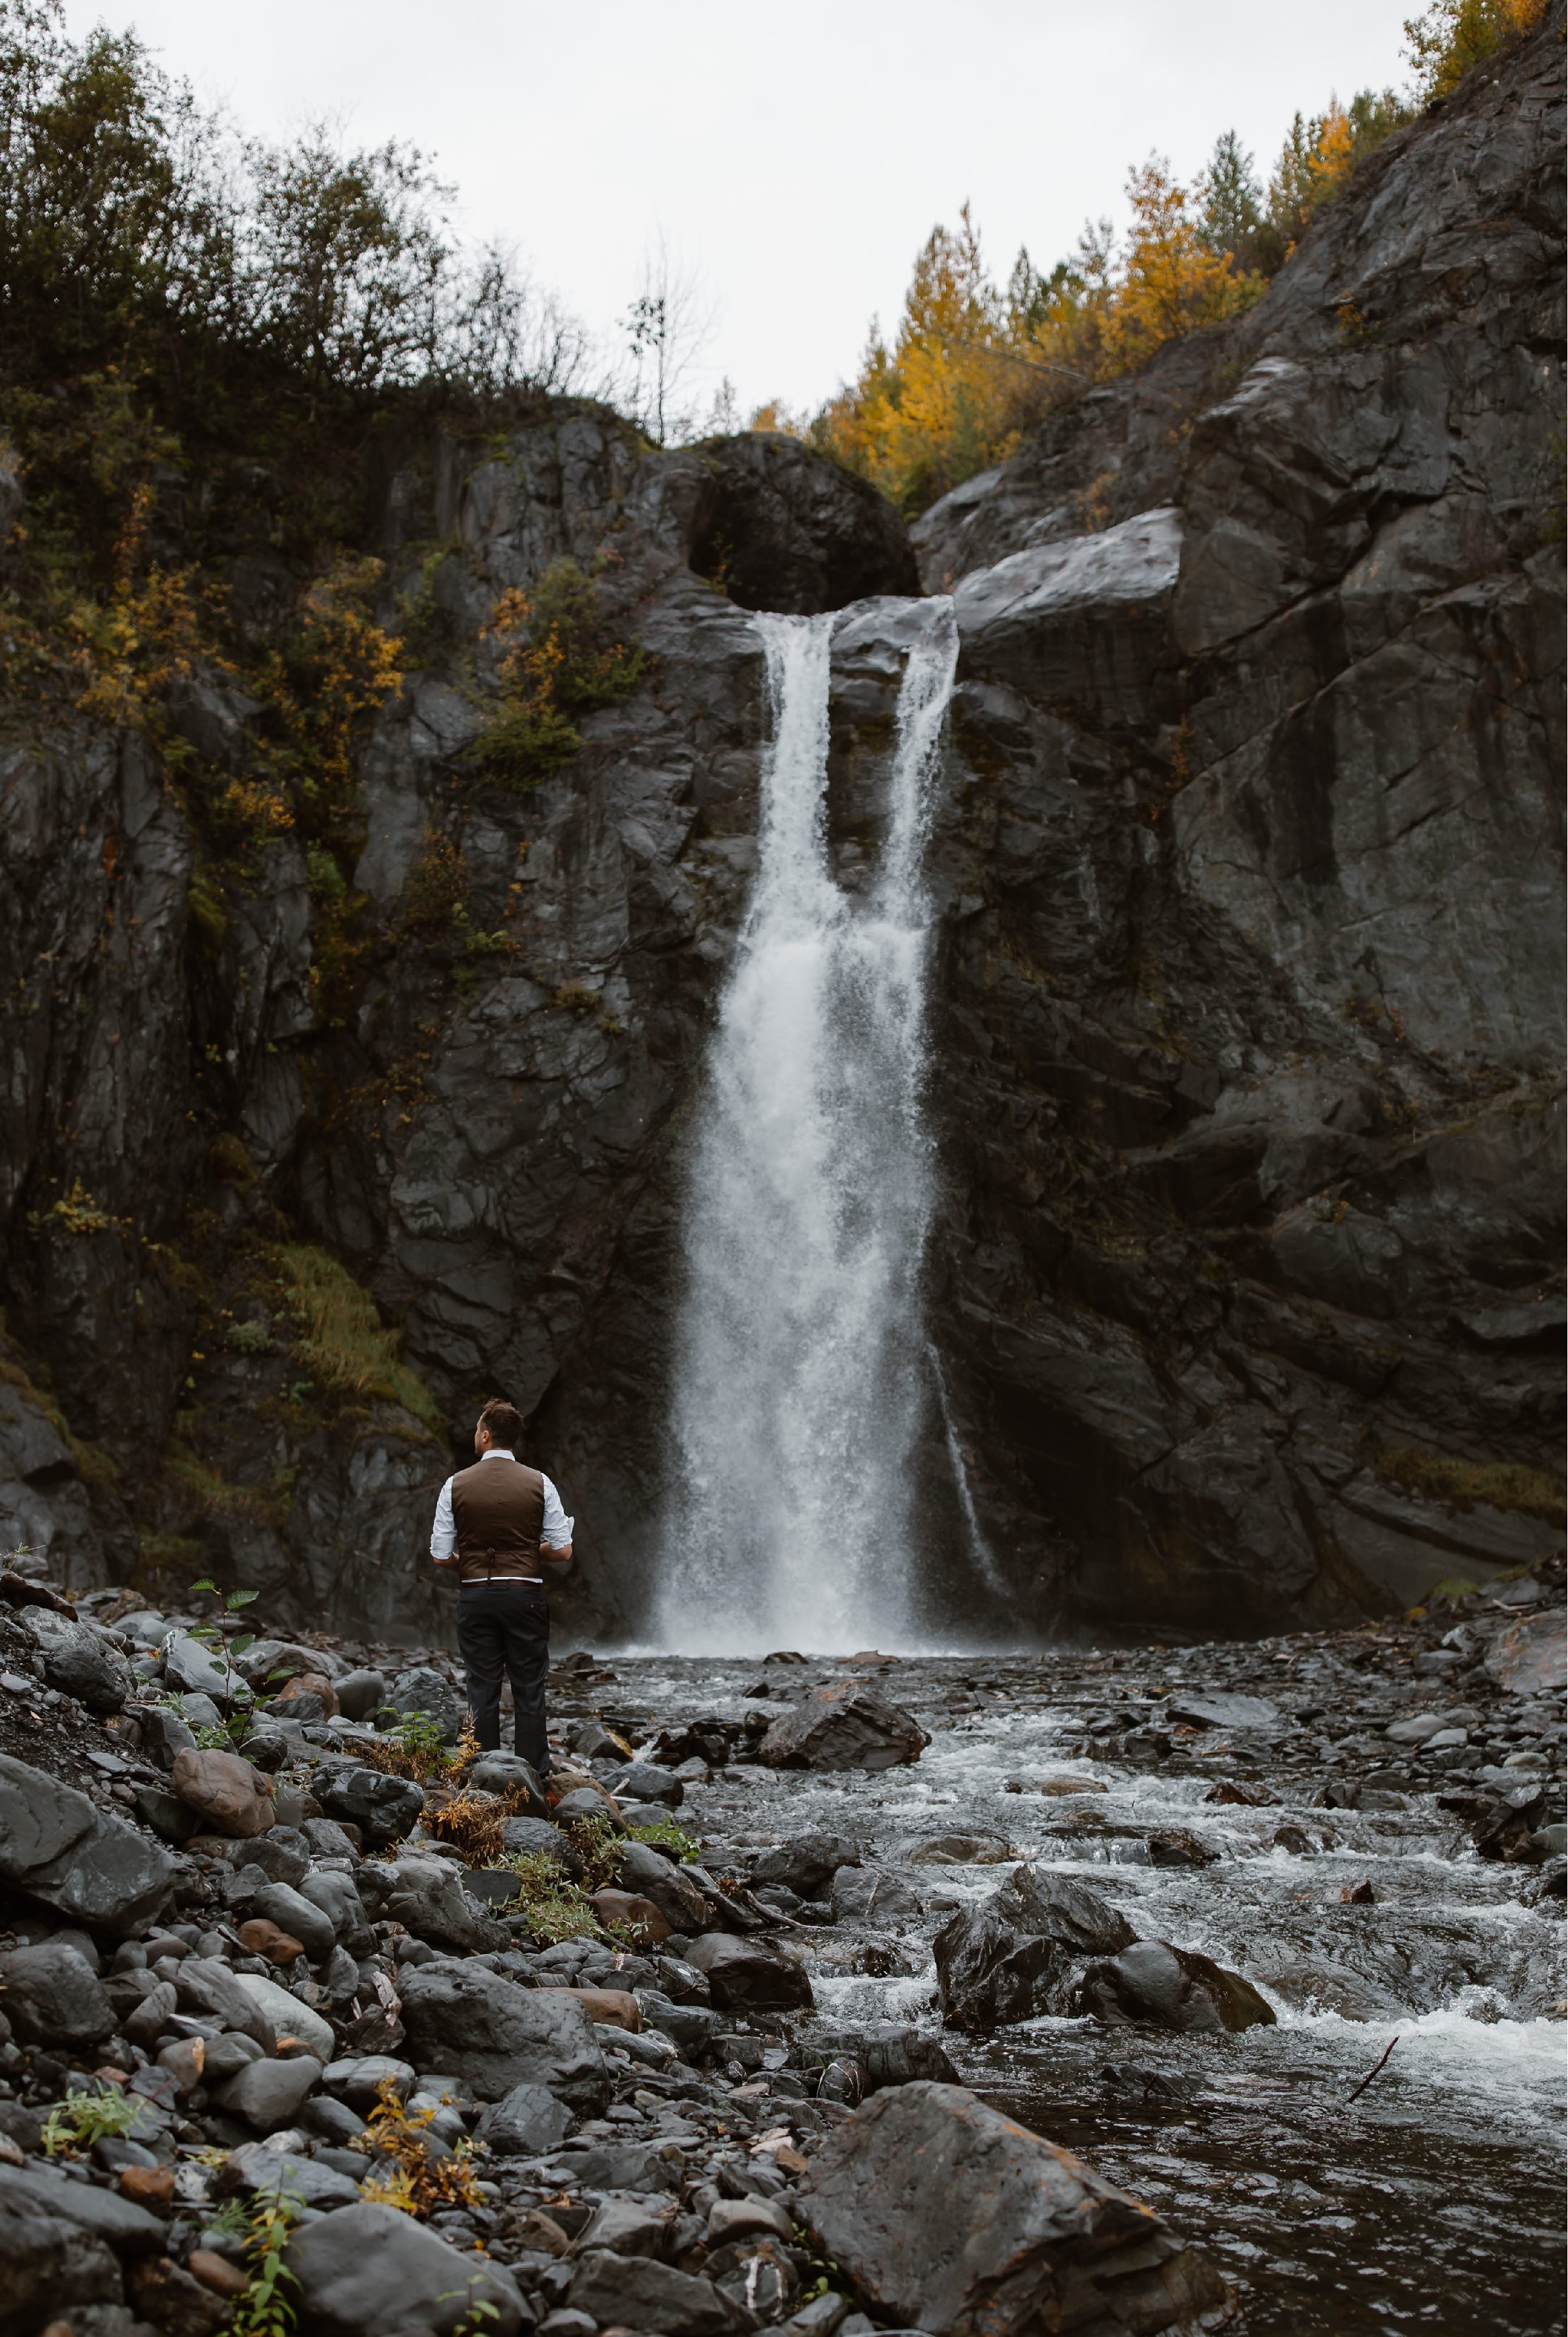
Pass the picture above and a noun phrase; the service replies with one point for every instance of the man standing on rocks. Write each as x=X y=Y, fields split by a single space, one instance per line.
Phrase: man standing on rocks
x=496 y=1524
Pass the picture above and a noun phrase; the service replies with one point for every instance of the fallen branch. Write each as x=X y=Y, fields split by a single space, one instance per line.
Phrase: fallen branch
x=1371 y=2073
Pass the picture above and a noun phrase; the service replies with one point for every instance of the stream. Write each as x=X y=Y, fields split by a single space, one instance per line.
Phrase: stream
x=1434 y=2200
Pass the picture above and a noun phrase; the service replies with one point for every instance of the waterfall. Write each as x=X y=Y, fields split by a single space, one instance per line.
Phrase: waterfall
x=800 y=1367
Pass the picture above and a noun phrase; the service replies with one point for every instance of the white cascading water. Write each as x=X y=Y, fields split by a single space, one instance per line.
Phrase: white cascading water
x=800 y=1371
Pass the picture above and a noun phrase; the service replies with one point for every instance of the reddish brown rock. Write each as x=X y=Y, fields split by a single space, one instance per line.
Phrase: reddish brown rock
x=613 y=2008
x=234 y=1798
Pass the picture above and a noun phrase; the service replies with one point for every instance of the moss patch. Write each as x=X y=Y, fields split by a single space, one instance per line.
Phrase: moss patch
x=1465 y=1485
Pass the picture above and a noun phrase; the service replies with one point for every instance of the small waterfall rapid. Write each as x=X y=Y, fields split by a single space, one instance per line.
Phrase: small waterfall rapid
x=800 y=1368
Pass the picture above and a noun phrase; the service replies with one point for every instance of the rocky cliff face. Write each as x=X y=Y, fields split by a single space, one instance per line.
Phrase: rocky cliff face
x=1247 y=1064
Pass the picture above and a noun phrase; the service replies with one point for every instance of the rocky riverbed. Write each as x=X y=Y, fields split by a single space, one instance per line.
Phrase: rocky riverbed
x=943 y=1992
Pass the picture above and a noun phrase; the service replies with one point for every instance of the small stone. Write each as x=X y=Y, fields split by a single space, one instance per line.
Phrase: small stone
x=216 y=2273
x=424 y=1689
x=184 y=2060
x=268 y=2095
x=264 y=1938
x=634 y=2293
x=365 y=2268
x=166 y=2295
x=645 y=1781
x=527 y=2122
x=53 y=1997
x=1357 y=1894
x=640 y=1914
x=233 y=1798
x=150 y=2186
x=384 y=1809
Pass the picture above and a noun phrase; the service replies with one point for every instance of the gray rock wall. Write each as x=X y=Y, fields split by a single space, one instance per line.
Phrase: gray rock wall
x=1248 y=1043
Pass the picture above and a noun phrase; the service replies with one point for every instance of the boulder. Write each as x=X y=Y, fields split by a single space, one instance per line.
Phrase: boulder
x=254 y=2168
x=424 y=1689
x=958 y=1849
x=470 y=2023
x=689 y=2027
x=526 y=2123
x=163 y=1734
x=592 y=1741
x=335 y=1896
x=1319 y=1984
x=639 y=1915
x=869 y=1895
x=1530 y=1657
x=843 y=1726
x=287 y=2015
x=633 y=2292
x=82 y=1662
x=282 y=1855
x=746 y=1976
x=168 y=2298
x=951 y=2218
x=627 y=2227
x=537 y=1838
x=384 y=1809
x=60 y=1848
x=588 y=1801
x=293 y=1912
x=892 y=2053
x=366 y=2271
x=1152 y=1984
x=807 y=1865
x=358 y=2080
x=1015 y=1955
x=166 y=1813
x=51 y=1996
x=360 y=1694
x=509 y=1773
x=230 y=1797
x=189 y=1669
x=645 y=1781
x=660 y=1880
x=206 y=1986
x=427 y=1897
x=130 y=2230
x=787 y=529
x=756 y=2275
x=51 y=2269
x=270 y=2095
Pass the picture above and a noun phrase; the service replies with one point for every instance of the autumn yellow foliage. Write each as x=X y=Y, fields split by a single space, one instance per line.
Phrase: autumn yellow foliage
x=1455 y=35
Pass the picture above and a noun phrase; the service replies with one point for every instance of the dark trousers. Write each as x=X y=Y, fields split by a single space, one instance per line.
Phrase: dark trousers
x=503 y=1629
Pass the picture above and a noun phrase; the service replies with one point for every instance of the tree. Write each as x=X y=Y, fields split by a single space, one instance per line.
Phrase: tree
x=669 y=325
x=1233 y=223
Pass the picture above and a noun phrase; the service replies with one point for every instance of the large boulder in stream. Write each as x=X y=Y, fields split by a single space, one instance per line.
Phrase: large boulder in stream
x=1153 y=1985
x=1018 y=1954
x=843 y=1726
x=951 y=2218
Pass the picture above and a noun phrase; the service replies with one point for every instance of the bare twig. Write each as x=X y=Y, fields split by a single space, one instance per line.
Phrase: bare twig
x=1371 y=2073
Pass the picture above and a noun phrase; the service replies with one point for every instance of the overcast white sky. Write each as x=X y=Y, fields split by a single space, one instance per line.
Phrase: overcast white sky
x=797 y=157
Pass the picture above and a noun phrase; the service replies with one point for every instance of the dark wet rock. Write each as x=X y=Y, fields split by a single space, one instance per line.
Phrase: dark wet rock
x=358 y=2078
x=633 y=2166
x=384 y=1809
x=807 y=1862
x=526 y=2123
x=299 y=1916
x=366 y=2268
x=83 y=1663
x=1154 y=1984
x=270 y=2095
x=661 y=1881
x=588 y=1801
x=594 y=1742
x=50 y=2267
x=1501 y=1823
x=360 y=1694
x=191 y=1668
x=254 y=2168
x=282 y=1855
x=784 y=529
x=871 y=1894
x=129 y=2229
x=892 y=2053
x=171 y=2299
x=632 y=2293
x=645 y=1781
x=537 y=1838
x=1319 y=1984
x=843 y=1726
x=509 y=1773
x=627 y=2227
x=172 y=1819
x=51 y=1996
x=746 y=1975
x=427 y=1897
x=477 y=2025
x=689 y=2026
x=1016 y=1956
x=1174 y=1849
x=207 y=1988
x=708 y=1740
x=55 y=1845
x=756 y=2275
x=163 y=1734
x=424 y=1689
x=948 y=2218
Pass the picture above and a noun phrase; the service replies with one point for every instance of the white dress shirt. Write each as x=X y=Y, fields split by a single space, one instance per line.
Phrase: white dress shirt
x=556 y=1533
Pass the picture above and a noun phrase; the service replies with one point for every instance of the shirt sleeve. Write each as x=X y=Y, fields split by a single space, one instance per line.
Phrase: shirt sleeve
x=557 y=1526
x=443 y=1532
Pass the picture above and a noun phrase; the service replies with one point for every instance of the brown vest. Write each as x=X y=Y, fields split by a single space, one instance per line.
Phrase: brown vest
x=498 y=1508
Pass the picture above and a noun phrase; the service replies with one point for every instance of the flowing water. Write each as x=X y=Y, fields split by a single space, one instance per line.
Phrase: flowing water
x=1432 y=2203
x=802 y=1376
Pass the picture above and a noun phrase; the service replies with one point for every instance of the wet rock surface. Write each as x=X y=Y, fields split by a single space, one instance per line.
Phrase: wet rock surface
x=1051 y=2067
x=1246 y=1034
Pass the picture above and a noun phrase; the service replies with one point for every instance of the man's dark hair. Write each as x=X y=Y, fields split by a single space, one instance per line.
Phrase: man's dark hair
x=503 y=1420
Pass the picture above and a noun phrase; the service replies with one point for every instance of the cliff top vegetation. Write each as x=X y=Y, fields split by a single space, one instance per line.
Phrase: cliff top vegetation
x=974 y=365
